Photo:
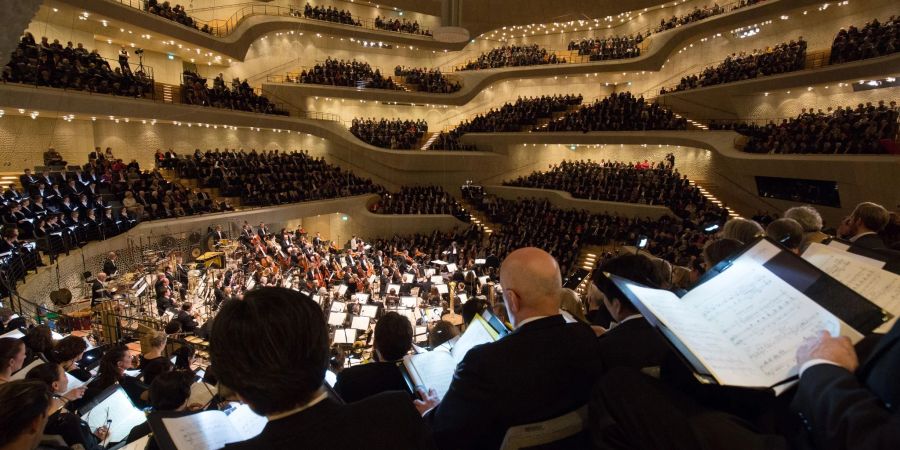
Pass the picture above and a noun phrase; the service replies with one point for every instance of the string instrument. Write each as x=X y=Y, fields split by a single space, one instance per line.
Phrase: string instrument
x=338 y=271
x=451 y=316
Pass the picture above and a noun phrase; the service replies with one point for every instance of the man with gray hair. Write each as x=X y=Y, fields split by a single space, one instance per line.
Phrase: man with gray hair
x=810 y=220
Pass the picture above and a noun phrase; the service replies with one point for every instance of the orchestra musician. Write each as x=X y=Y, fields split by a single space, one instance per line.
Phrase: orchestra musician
x=109 y=265
x=98 y=289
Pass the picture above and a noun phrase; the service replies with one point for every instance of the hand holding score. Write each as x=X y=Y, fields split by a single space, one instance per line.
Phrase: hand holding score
x=426 y=401
x=838 y=350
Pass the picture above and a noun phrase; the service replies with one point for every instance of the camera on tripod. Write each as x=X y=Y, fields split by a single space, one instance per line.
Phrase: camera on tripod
x=139 y=51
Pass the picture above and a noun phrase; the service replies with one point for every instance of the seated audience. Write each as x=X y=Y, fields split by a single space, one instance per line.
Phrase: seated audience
x=618 y=112
x=272 y=177
x=608 y=48
x=746 y=3
x=839 y=131
x=67 y=425
x=328 y=14
x=525 y=112
x=393 y=340
x=24 y=410
x=174 y=13
x=512 y=56
x=241 y=96
x=695 y=15
x=70 y=67
x=420 y=200
x=346 y=73
x=272 y=350
x=393 y=134
x=427 y=80
x=873 y=40
x=516 y=380
x=783 y=58
x=400 y=26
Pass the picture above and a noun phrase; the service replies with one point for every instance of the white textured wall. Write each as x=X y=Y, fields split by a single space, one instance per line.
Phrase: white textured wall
x=23 y=141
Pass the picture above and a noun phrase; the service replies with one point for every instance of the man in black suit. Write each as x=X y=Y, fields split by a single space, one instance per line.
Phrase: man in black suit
x=393 y=340
x=27 y=180
x=864 y=224
x=631 y=341
x=188 y=322
x=98 y=289
x=542 y=370
x=109 y=265
x=282 y=334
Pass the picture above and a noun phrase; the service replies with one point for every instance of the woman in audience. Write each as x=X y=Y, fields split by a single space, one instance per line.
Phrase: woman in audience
x=12 y=356
x=157 y=346
x=67 y=425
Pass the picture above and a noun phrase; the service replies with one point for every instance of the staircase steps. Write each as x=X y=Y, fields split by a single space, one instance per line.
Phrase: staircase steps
x=478 y=217
x=427 y=140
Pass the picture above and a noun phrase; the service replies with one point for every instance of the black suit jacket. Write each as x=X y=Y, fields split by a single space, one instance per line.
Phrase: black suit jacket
x=540 y=371
x=842 y=410
x=872 y=241
x=109 y=267
x=385 y=421
x=358 y=382
x=633 y=344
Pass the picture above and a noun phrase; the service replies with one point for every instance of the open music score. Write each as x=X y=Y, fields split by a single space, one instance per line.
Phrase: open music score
x=207 y=430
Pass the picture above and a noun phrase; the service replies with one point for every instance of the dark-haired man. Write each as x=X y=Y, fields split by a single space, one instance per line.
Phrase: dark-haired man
x=393 y=339
x=863 y=225
x=272 y=349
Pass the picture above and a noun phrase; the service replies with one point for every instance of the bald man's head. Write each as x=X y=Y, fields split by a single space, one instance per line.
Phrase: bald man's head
x=531 y=284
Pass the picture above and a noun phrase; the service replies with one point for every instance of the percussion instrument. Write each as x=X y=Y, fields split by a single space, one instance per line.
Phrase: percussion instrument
x=78 y=320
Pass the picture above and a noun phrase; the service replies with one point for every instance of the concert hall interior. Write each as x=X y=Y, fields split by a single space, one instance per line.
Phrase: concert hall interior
x=449 y=224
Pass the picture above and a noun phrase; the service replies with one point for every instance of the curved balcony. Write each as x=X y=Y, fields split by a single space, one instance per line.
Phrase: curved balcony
x=235 y=35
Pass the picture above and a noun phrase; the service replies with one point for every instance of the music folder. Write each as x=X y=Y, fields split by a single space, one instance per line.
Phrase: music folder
x=435 y=369
x=205 y=430
x=742 y=325
x=112 y=408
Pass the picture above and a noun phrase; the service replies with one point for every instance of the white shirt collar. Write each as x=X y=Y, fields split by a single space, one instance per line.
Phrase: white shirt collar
x=631 y=317
x=854 y=238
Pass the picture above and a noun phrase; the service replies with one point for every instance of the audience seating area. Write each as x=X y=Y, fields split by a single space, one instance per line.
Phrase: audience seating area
x=400 y=26
x=241 y=96
x=695 y=15
x=783 y=58
x=427 y=80
x=873 y=40
x=511 y=117
x=345 y=73
x=866 y=129
x=618 y=112
x=174 y=13
x=608 y=48
x=393 y=134
x=271 y=177
x=420 y=200
x=329 y=14
x=513 y=56
x=73 y=67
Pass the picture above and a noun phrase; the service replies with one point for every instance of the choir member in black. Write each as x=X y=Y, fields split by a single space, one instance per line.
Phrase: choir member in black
x=393 y=340
x=63 y=423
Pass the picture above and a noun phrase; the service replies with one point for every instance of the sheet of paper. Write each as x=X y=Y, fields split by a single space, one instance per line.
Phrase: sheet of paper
x=247 y=423
x=118 y=409
x=360 y=323
x=761 y=315
x=208 y=430
x=476 y=333
x=442 y=288
x=863 y=275
x=336 y=319
x=344 y=336
x=20 y=374
x=435 y=370
x=369 y=310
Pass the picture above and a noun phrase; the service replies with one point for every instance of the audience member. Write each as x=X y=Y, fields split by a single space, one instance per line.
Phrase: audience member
x=420 y=200
x=839 y=131
x=783 y=58
x=240 y=97
x=512 y=56
x=174 y=13
x=427 y=80
x=71 y=67
x=618 y=112
x=393 y=340
x=400 y=26
x=609 y=48
x=393 y=134
x=345 y=73
x=873 y=40
x=328 y=14
x=272 y=350
x=695 y=15
x=490 y=391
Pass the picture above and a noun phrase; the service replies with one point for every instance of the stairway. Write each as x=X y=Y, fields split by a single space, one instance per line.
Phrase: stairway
x=708 y=189
x=427 y=140
x=588 y=259
x=692 y=124
x=402 y=84
x=478 y=217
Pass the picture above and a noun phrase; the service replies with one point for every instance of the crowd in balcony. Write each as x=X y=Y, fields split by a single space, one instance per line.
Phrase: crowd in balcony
x=352 y=73
x=328 y=14
x=400 y=26
x=746 y=3
x=394 y=134
x=427 y=80
x=271 y=177
x=695 y=15
x=420 y=200
x=74 y=67
x=511 y=117
x=240 y=96
x=174 y=13
x=607 y=48
x=873 y=40
x=783 y=58
x=866 y=129
x=618 y=112
x=512 y=56
x=615 y=181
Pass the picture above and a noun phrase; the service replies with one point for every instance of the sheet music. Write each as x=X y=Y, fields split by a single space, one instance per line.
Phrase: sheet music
x=863 y=275
x=763 y=317
x=337 y=319
x=360 y=323
x=369 y=310
x=247 y=423
x=442 y=288
x=344 y=336
x=208 y=430
x=118 y=409
x=433 y=370
x=139 y=444
x=476 y=333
